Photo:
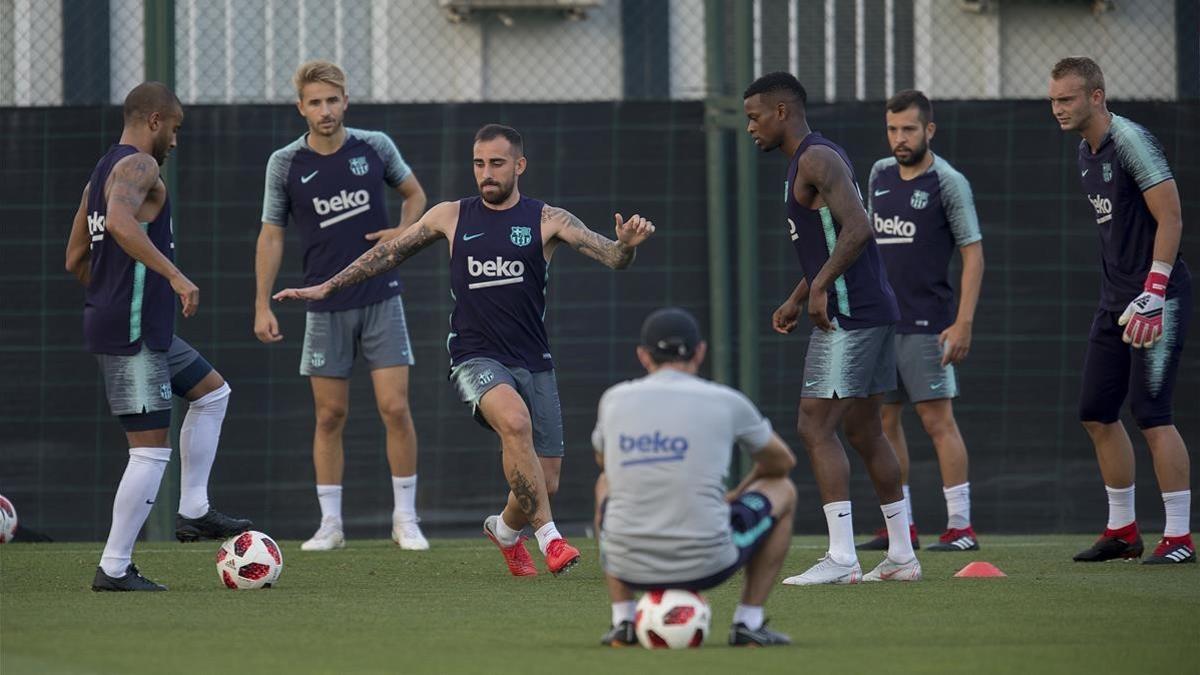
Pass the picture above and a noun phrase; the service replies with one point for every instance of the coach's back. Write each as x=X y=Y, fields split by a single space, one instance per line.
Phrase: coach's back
x=667 y=441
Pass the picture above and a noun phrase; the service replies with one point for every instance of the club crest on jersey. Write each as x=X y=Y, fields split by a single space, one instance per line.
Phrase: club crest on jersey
x=920 y=199
x=358 y=166
x=520 y=236
x=1106 y=169
x=164 y=392
x=317 y=359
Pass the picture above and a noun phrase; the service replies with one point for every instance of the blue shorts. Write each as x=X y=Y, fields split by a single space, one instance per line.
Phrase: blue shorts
x=477 y=376
x=752 y=522
x=1112 y=369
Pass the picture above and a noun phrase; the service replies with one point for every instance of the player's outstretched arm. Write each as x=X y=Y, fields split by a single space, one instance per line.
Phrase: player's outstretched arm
x=130 y=181
x=384 y=256
x=78 y=252
x=824 y=169
x=619 y=254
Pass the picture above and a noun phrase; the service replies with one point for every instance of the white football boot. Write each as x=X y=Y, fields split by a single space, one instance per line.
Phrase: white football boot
x=827 y=571
x=407 y=534
x=888 y=570
x=328 y=537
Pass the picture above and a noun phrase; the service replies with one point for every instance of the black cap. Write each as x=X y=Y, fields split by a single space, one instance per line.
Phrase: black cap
x=671 y=332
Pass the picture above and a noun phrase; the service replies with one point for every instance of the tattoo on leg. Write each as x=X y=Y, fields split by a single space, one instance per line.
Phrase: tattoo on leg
x=525 y=493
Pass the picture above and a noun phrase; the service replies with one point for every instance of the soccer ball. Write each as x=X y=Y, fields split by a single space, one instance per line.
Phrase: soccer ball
x=249 y=560
x=8 y=520
x=672 y=619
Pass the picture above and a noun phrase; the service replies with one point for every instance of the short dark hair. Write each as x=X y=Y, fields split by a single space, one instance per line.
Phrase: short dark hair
x=148 y=98
x=777 y=83
x=490 y=132
x=903 y=100
x=1089 y=70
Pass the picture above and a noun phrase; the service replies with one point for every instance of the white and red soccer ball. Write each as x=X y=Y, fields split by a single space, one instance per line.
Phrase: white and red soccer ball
x=672 y=619
x=249 y=560
x=8 y=520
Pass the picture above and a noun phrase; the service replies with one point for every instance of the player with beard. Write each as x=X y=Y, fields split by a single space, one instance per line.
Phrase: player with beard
x=330 y=183
x=501 y=243
x=122 y=248
x=1138 y=332
x=922 y=210
x=851 y=359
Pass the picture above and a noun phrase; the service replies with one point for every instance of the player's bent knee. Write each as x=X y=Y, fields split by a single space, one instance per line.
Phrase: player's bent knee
x=513 y=424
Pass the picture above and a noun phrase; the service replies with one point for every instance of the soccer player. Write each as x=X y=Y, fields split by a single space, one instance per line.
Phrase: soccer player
x=851 y=358
x=1138 y=331
x=922 y=210
x=501 y=243
x=664 y=442
x=122 y=249
x=330 y=183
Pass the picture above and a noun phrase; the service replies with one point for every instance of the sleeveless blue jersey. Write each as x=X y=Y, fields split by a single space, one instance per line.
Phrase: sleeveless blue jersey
x=861 y=297
x=125 y=304
x=498 y=276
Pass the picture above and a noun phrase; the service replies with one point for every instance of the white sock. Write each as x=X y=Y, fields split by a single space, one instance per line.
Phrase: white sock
x=899 y=541
x=749 y=615
x=841 y=532
x=624 y=610
x=1178 y=506
x=198 y=438
x=505 y=534
x=404 y=489
x=330 y=497
x=546 y=534
x=131 y=506
x=908 y=502
x=1120 y=507
x=958 y=506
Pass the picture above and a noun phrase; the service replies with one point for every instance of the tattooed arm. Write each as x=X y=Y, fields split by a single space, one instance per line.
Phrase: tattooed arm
x=130 y=182
x=78 y=244
x=383 y=257
x=565 y=226
x=825 y=170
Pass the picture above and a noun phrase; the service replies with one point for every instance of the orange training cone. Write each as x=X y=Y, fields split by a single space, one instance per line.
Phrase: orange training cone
x=979 y=569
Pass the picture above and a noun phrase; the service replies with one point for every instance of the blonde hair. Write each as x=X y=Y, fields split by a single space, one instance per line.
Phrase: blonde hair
x=319 y=71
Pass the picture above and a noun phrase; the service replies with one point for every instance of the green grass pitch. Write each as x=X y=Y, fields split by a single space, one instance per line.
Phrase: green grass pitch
x=375 y=609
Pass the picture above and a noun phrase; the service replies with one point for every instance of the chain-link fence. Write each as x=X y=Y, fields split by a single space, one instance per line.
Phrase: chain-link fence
x=65 y=52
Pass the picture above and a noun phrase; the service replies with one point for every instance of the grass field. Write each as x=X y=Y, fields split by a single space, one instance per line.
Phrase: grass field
x=373 y=608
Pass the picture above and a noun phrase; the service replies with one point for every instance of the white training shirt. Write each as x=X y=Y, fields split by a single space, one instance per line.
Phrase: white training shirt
x=667 y=441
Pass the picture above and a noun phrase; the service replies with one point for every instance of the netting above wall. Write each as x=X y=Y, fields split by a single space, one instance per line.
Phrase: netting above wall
x=67 y=52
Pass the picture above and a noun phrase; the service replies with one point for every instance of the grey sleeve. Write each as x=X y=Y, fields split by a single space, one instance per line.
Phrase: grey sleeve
x=1141 y=154
x=395 y=169
x=751 y=430
x=875 y=169
x=959 y=204
x=598 y=433
x=275 y=196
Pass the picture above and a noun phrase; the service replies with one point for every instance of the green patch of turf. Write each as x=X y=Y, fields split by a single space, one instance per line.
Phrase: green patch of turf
x=454 y=609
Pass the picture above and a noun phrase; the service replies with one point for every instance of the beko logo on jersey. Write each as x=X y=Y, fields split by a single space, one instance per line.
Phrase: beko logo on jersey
x=96 y=229
x=508 y=271
x=656 y=447
x=357 y=202
x=898 y=231
x=1103 y=206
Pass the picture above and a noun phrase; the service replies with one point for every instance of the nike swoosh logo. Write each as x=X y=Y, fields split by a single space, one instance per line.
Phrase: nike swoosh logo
x=881 y=192
x=843 y=515
x=936 y=385
x=1084 y=173
x=892 y=516
x=305 y=179
x=149 y=502
x=469 y=237
x=809 y=384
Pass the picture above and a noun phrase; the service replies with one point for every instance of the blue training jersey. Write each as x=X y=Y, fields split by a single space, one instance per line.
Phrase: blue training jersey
x=498 y=277
x=335 y=201
x=861 y=297
x=125 y=305
x=1128 y=162
x=918 y=224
